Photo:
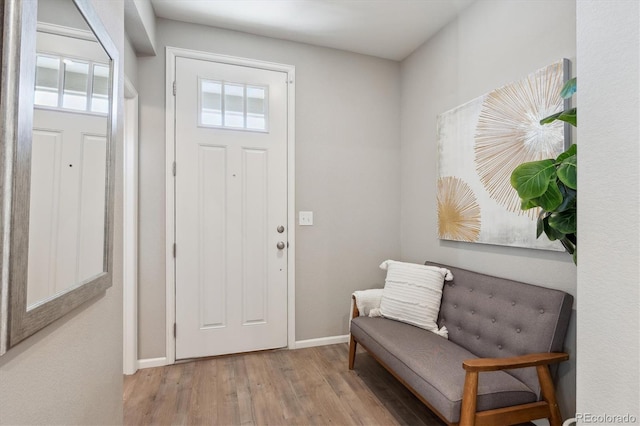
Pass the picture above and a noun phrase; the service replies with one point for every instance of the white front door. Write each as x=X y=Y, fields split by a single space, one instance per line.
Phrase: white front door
x=66 y=215
x=231 y=208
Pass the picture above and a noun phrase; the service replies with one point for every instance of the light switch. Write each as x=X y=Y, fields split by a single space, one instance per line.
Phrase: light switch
x=305 y=218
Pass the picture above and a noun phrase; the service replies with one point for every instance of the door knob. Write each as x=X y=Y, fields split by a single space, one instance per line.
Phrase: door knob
x=280 y=245
x=280 y=229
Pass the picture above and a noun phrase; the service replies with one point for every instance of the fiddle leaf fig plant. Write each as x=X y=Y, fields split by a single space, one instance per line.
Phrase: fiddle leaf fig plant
x=552 y=185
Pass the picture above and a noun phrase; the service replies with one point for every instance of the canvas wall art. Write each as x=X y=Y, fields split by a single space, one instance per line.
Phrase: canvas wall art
x=480 y=143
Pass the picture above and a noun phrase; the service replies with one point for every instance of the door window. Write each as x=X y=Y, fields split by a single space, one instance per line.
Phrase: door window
x=71 y=84
x=233 y=106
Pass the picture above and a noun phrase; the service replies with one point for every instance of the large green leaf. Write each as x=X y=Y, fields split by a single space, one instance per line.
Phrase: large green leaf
x=572 y=150
x=540 y=223
x=539 y=227
x=568 y=170
x=569 y=88
x=551 y=232
x=531 y=180
x=569 y=197
x=551 y=198
x=570 y=116
x=528 y=204
x=551 y=118
x=568 y=245
x=564 y=222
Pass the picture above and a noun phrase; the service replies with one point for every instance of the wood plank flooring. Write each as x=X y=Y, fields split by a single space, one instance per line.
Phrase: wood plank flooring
x=310 y=386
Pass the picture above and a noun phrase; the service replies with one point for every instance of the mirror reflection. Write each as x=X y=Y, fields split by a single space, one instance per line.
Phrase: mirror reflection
x=69 y=154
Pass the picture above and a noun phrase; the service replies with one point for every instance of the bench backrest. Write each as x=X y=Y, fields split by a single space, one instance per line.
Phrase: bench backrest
x=497 y=318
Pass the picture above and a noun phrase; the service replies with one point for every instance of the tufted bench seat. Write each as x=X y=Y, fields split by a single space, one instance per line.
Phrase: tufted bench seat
x=495 y=325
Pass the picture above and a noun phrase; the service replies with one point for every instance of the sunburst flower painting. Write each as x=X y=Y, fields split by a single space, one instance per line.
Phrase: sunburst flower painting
x=480 y=143
x=458 y=211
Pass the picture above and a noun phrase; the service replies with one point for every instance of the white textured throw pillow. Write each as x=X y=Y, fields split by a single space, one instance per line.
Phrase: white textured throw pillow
x=412 y=293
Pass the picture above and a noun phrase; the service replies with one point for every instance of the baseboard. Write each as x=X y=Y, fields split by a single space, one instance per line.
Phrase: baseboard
x=152 y=362
x=322 y=341
x=300 y=344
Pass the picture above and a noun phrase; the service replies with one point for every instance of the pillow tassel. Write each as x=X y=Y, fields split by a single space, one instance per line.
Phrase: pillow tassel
x=375 y=312
x=443 y=332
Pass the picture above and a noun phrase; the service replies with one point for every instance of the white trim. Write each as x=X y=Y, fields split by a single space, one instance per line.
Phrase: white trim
x=172 y=54
x=322 y=341
x=301 y=344
x=153 y=362
x=291 y=207
x=130 y=231
x=46 y=27
x=170 y=290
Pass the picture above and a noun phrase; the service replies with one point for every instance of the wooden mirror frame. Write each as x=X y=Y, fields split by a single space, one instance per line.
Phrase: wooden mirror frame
x=17 y=80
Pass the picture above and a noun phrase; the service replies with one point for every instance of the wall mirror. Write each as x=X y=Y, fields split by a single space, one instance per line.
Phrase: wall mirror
x=58 y=123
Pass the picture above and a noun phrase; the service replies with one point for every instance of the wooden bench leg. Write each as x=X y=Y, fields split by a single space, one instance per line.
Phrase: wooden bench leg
x=352 y=342
x=352 y=352
x=469 y=399
x=549 y=395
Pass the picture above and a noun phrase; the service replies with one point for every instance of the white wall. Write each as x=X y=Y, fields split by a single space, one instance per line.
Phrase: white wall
x=130 y=62
x=71 y=372
x=492 y=43
x=347 y=158
x=608 y=37
x=140 y=25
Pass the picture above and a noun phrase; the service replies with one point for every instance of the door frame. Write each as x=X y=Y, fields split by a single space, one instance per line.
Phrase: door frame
x=130 y=230
x=172 y=53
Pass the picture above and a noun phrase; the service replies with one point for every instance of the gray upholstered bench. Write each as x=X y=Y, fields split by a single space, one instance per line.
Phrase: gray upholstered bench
x=509 y=331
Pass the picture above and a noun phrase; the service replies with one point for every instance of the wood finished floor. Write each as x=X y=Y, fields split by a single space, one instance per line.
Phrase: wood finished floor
x=302 y=387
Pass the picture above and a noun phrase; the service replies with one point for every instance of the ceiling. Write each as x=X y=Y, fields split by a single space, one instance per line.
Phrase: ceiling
x=389 y=29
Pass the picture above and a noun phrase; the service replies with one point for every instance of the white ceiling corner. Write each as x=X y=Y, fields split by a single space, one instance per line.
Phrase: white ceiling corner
x=139 y=24
x=389 y=29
